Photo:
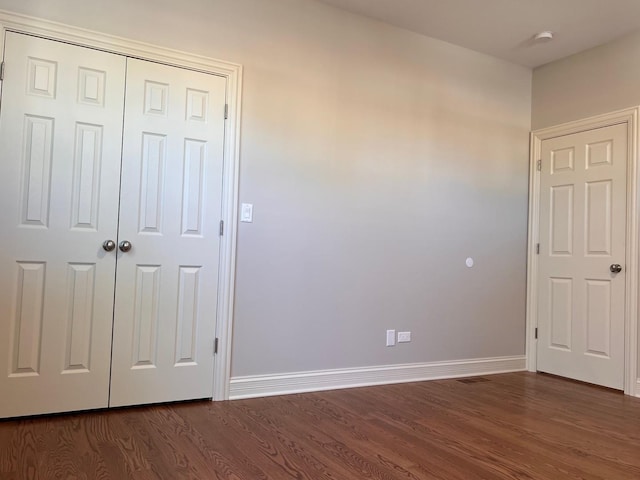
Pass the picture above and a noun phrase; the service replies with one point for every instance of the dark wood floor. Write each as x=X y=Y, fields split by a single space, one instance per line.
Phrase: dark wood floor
x=512 y=426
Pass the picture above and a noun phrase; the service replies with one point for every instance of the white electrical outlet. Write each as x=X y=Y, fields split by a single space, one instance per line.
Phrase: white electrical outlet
x=404 y=337
x=391 y=338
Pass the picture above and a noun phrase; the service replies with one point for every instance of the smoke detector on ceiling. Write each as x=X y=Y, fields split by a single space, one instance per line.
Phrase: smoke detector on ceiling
x=543 y=37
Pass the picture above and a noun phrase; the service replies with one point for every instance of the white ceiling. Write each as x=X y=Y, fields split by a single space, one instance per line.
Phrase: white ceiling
x=505 y=28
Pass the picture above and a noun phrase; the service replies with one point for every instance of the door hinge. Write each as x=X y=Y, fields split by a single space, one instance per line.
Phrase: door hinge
x=537 y=249
x=221 y=227
x=215 y=346
x=539 y=165
x=226 y=111
x=1 y=71
x=535 y=333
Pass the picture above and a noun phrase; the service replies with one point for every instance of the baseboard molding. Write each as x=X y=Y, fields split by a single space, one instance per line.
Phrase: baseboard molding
x=314 y=381
x=637 y=392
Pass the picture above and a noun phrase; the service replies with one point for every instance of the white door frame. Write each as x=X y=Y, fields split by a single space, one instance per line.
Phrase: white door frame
x=233 y=73
x=630 y=118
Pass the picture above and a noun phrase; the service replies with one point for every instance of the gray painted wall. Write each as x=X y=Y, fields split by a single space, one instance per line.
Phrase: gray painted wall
x=377 y=160
x=600 y=80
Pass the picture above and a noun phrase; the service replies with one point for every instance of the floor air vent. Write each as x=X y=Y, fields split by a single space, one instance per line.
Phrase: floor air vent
x=474 y=380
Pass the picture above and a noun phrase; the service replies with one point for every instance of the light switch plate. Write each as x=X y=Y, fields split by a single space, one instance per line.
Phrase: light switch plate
x=246 y=213
x=391 y=338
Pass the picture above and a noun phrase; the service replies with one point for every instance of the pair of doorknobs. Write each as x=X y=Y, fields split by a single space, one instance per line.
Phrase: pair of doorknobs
x=110 y=245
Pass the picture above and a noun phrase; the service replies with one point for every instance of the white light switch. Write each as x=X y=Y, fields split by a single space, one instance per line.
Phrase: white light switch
x=246 y=213
x=391 y=338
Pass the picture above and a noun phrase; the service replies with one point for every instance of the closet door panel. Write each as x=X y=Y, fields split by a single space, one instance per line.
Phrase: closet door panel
x=166 y=289
x=60 y=145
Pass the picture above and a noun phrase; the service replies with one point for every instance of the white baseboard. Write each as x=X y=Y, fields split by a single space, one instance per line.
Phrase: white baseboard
x=314 y=381
x=637 y=392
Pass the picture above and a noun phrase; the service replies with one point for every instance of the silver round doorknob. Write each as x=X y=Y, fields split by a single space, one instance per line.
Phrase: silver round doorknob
x=615 y=268
x=125 y=246
x=109 y=245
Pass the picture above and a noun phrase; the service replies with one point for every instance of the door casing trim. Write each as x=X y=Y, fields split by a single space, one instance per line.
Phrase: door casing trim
x=630 y=118
x=232 y=72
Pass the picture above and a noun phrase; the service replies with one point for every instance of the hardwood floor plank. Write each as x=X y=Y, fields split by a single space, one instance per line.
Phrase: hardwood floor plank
x=511 y=426
x=25 y=445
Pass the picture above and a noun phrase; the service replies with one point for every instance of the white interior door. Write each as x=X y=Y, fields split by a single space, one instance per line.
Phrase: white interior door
x=60 y=140
x=582 y=234
x=166 y=288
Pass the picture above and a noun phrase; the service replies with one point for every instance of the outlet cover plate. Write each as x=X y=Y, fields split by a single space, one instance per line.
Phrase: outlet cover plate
x=404 y=337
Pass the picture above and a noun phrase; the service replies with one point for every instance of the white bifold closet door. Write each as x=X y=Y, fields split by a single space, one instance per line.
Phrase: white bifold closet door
x=63 y=165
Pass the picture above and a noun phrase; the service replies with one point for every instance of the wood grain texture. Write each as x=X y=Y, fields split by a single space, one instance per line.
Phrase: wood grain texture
x=512 y=426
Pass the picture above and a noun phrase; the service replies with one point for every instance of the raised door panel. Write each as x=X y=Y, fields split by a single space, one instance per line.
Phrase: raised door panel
x=562 y=221
x=598 y=217
x=145 y=316
x=81 y=284
x=599 y=321
x=187 y=318
x=60 y=140
x=561 y=317
x=87 y=166
x=26 y=340
x=36 y=167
